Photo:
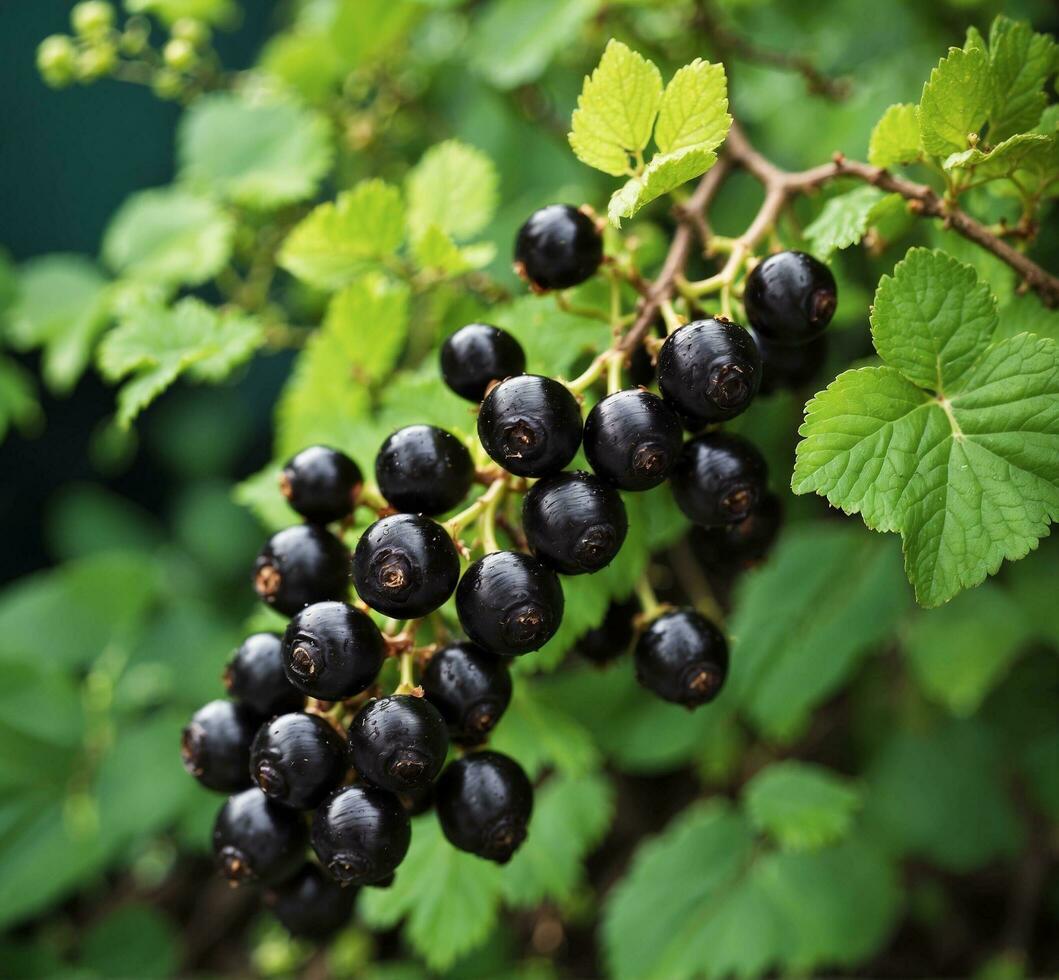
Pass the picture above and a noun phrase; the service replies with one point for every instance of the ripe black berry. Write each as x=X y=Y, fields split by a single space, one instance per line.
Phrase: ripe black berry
x=613 y=636
x=682 y=657
x=257 y=840
x=398 y=743
x=719 y=478
x=299 y=566
x=422 y=469
x=632 y=439
x=709 y=370
x=790 y=367
x=297 y=759
x=311 y=905
x=215 y=745
x=509 y=603
x=477 y=355
x=744 y=543
x=416 y=801
x=558 y=247
x=361 y=833
x=790 y=297
x=574 y=522
x=405 y=566
x=470 y=687
x=484 y=802
x=530 y=425
x=255 y=677
x=332 y=651
x=320 y=483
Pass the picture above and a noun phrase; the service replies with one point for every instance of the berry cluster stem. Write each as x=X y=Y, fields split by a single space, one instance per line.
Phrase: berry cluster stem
x=465 y=518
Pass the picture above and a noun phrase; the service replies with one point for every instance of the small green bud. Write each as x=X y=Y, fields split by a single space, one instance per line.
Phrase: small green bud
x=96 y=62
x=195 y=32
x=179 y=55
x=57 y=60
x=167 y=84
x=92 y=17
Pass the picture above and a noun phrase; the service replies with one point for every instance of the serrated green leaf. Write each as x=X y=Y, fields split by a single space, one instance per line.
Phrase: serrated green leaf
x=802 y=806
x=337 y=240
x=694 y=109
x=168 y=236
x=1025 y=313
x=131 y=941
x=664 y=173
x=843 y=221
x=369 y=321
x=258 y=154
x=554 y=340
x=1020 y=62
x=454 y=186
x=435 y=251
x=616 y=110
x=896 y=137
x=956 y=101
x=1026 y=150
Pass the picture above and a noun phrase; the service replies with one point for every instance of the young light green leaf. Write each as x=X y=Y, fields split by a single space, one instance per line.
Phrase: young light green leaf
x=802 y=806
x=1003 y=160
x=257 y=154
x=454 y=186
x=18 y=398
x=694 y=109
x=1021 y=62
x=258 y=494
x=956 y=101
x=169 y=236
x=369 y=321
x=336 y=240
x=665 y=172
x=553 y=340
x=435 y=251
x=843 y=221
x=896 y=137
x=616 y=110
x=219 y=12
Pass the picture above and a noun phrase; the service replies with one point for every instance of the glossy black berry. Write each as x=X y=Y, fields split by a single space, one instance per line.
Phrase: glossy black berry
x=786 y=368
x=530 y=425
x=301 y=565
x=398 y=743
x=312 y=905
x=321 y=483
x=632 y=439
x=484 y=802
x=790 y=298
x=422 y=469
x=332 y=651
x=256 y=840
x=744 y=543
x=470 y=687
x=709 y=370
x=613 y=636
x=558 y=247
x=255 y=676
x=361 y=834
x=297 y=759
x=477 y=355
x=405 y=566
x=215 y=745
x=416 y=801
x=682 y=657
x=574 y=522
x=509 y=603
x=719 y=478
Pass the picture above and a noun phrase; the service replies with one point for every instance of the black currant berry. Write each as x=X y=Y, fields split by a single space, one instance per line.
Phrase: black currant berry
x=484 y=802
x=321 y=483
x=744 y=543
x=422 y=469
x=477 y=355
x=416 y=801
x=332 y=651
x=719 y=478
x=632 y=439
x=258 y=840
x=215 y=745
x=297 y=759
x=558 y=247
x=709 y=370
x=311 y=905
x=361 y=834
x=398 y=743
x=509 y=603
x=301 y=565
x=613 y=636
x=682 y=657
x=790 y=298
x=255 y=677
x=530 y=425
x=574 y=522
x=405 y=566
x=641 y=370
x=470 y=687
x=786 y=368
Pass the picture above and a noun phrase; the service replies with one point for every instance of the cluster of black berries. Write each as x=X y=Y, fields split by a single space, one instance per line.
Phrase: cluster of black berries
x=307 y=731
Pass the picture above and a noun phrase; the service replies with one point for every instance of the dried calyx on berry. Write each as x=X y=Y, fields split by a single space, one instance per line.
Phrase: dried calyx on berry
x=256 y=840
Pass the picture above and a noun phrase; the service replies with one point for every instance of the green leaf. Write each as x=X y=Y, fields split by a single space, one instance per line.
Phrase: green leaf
x=454 y=186
x=369 y=322
x=1020 y=62
x=221 y=12
x=843 y=221
x=435 y=251
x=694 y=109
x=1005 y=159
x=256 y=154
x=169 y=236
x=554 y=341
x=956 y=101
x=18 y=398
x=664 y=173
x=1025 y=313
x=132 y=941
x=616 y=110
x=802 y=806
x=337 y=240
x=896 y=137
x=259 y=493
